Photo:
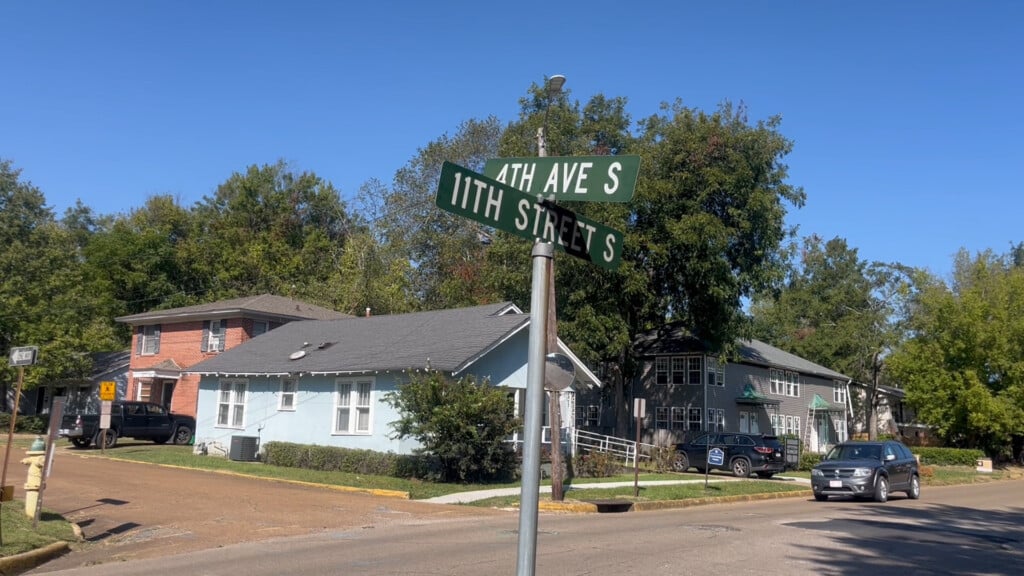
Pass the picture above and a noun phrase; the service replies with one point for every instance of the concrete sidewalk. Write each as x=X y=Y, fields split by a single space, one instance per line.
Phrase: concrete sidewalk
x=464 y=497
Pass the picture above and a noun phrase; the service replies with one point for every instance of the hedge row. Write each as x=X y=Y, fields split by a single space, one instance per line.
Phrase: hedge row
x=334 y=459
x=24 y=424
x=948 y=456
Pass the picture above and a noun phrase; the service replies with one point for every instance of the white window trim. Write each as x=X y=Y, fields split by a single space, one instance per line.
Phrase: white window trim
x=150 y=339
x=715 y=372
x=661 y=417
x=293 y=394
x=353 y=407
x=838 y=392
x=232 y=402
x=215 y=338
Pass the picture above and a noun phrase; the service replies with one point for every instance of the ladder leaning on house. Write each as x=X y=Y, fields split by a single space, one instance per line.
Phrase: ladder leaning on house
x=809 y=425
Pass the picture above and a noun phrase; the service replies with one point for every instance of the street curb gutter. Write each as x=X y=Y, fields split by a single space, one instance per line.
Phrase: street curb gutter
x=587 y=507
x=18 y=563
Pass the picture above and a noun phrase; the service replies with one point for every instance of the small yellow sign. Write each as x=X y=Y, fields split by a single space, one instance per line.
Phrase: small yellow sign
x=108 y=390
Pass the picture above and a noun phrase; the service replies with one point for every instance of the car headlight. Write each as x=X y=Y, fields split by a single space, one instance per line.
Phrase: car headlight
x=861 y=472
x=816 y=472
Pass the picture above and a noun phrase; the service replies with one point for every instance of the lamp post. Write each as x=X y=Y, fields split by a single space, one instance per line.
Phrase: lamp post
x=553 y=87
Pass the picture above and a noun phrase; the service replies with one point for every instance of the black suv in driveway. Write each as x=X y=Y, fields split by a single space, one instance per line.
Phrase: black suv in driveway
x=867 y=469
x=742 y=454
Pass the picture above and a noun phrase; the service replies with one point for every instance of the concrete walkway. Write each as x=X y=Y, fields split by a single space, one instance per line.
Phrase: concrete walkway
x=464 y=497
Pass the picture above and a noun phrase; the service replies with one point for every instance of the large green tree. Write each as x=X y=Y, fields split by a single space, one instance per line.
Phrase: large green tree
x=45 y=299
x=963 y=369
x=841 y=312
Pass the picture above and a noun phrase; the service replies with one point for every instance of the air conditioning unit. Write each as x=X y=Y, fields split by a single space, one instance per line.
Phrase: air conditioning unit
x=244 y=448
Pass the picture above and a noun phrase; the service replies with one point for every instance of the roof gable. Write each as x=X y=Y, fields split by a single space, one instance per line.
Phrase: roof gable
x=263 y=305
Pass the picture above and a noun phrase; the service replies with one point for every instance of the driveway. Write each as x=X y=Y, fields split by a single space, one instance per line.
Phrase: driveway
x=129 y=510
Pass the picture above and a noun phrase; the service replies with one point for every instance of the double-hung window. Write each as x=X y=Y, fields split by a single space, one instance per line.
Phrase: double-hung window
x=838 y=392
x=289 y=386
x=231 y=403
x=149 y=340
x=716 y=372
x=694 y=419
x=213 y=335
x=353 y=406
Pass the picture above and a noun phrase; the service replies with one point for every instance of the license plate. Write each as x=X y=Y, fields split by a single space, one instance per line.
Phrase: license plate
x=835 y=483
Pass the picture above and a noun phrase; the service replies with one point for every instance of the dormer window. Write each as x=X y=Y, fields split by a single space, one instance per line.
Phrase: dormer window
x=213 y=335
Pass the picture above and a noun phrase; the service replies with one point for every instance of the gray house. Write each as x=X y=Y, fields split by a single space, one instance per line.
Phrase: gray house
x=763 y=389
x=81 y=394
x=322 y=381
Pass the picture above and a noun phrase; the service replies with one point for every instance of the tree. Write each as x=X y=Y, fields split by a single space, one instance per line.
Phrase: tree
x=963 y=368
x=841 y=312
x=445 y=252
x=464 y=423
x=270 y=230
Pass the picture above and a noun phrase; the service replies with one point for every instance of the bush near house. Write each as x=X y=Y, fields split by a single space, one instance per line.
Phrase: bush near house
x=335 y=459
x=24 y=424
x=948 y=456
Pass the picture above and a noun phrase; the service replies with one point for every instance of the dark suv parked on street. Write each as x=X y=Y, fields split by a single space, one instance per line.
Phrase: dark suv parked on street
x=742 y=454
x=866 y=470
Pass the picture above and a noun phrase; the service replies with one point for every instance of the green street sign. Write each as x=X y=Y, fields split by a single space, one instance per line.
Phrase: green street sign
x=569 y=178
x=477 y=197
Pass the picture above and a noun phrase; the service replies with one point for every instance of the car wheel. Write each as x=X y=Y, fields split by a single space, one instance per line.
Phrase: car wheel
x=681 y=463
x=183 y=435
x=109 y=442
x=765 y=475
x=881 y=489
x=741 y=468
x=81 y=442
x=821 y=497
x=915 y=488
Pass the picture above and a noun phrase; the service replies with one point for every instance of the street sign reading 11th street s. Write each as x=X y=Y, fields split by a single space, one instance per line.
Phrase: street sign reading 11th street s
x=569 y=178
x=477 y=197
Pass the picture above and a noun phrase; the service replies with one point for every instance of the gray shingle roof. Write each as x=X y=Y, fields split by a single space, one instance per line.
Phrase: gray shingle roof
x=262 y=305
x=676 y=339
x=449 y=340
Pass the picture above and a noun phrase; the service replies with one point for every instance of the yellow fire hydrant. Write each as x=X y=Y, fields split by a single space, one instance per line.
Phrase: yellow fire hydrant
x=36 y=455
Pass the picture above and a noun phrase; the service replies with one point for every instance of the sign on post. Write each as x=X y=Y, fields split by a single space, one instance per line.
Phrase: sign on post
x=569 y=178
x=716 y=456
x=477 y=197
x=23 y=355
x=108 y=390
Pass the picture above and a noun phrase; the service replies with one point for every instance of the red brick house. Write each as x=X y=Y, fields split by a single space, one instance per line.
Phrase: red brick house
x=165 y=343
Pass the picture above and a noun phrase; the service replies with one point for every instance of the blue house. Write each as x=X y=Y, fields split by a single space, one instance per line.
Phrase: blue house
x=323 y=381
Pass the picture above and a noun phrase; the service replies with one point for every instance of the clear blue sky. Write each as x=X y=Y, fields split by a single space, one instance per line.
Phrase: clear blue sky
x=907 y=116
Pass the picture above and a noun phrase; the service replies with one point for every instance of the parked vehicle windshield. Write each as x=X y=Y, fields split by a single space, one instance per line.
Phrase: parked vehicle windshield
x=854 y=452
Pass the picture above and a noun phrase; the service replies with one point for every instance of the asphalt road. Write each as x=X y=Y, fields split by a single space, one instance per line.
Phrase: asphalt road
x=975 y=529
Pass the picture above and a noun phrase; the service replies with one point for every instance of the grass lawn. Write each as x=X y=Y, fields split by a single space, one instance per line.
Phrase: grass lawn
x=20 y=536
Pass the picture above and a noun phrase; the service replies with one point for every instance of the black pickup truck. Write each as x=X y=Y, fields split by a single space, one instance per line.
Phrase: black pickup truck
x=138 y=420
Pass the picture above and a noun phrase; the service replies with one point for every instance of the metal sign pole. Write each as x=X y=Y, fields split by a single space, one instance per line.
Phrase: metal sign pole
x=526 y=556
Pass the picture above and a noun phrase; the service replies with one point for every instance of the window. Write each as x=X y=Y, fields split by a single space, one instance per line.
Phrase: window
x=259 y=327
x=784 y=383
x=716 y=372
x=213 y=336
x=231 y=403
x=792 y=384
x=744 y=422
x=149 y=340
x=587 y=416
x=838 y=392
x=661 y=421
x=352 y=406
x=289 y=386
x=678 y=418
x=694 y=420
x=678 y=370
x=778 y=424
x=716 y=420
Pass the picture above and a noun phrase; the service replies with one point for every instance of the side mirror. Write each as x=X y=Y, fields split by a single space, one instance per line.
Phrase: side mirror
x=890 y=457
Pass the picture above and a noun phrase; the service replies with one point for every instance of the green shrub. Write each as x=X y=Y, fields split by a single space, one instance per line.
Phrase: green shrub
x=948 y=456
x=24 y=424
x=596 y=464
x=808 y=460
x=335 y=459
x=662 y=458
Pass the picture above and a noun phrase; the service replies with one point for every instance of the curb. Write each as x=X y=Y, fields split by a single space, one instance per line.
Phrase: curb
x=590 y=508
x=18 y=563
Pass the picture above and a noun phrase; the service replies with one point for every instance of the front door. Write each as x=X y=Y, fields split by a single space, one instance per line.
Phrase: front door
x=823 y=428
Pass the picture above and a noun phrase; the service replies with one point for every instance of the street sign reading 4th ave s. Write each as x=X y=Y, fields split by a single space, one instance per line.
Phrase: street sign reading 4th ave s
x=569 y=178
x=477 y=197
